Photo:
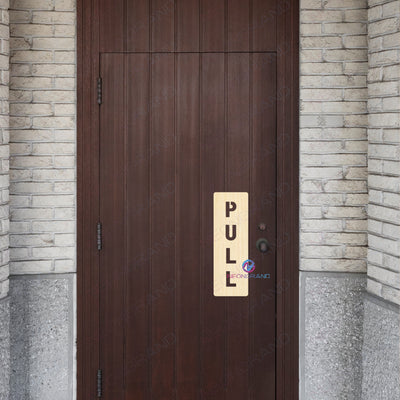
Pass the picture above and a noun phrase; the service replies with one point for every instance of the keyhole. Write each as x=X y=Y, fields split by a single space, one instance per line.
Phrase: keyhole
x=262 y=226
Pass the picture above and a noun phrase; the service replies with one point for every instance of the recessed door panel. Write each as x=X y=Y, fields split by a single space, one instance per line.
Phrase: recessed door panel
x=174 y=129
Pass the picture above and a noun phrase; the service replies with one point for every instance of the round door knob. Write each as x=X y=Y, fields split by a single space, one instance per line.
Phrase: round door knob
x=262 y=245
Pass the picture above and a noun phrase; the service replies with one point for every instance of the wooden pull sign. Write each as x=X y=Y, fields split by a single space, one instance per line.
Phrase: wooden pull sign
x=231 y=243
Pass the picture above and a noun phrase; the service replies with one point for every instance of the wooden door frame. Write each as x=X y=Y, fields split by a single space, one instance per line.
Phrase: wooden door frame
x=287 y=205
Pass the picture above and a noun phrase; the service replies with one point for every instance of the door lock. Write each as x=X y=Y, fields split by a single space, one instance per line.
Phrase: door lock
x=262 y=226
x=262 y=245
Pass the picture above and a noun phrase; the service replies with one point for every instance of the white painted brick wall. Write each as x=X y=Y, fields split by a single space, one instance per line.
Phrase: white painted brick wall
x=384 y=149
x=4 y=148
x=42 y=136
x=333 y=135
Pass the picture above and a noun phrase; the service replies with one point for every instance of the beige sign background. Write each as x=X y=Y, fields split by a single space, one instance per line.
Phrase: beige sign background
x=231 y=243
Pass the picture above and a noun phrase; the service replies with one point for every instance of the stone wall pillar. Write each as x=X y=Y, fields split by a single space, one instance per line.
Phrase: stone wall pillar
x=333 y=172
x=42 y=198
x=381 y=358
x=4 y=209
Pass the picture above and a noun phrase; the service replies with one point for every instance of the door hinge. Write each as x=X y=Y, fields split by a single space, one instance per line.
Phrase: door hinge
x=99 y=90
x=99 y=383
x=99 y=236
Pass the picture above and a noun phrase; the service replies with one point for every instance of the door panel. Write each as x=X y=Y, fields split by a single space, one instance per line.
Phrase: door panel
x=174 y=129
x=112 y=211
x=263 y=210
x=212 y=25
x=189 y=25
x=161 y=261
x=188 y=224
x=237 y=142
x=137 y=29
x=137 y=156
x=212 y=333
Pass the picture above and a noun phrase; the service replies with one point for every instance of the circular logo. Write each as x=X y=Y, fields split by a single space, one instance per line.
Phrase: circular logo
x=249 y=266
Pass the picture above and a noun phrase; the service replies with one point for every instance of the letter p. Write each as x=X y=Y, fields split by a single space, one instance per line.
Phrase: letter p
x=230 y=206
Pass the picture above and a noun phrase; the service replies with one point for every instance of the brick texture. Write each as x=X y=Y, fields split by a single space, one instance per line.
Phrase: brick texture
x=333 y=135
x=4 y=148
x=384 y=150
x=42 y=136
x=335 y=100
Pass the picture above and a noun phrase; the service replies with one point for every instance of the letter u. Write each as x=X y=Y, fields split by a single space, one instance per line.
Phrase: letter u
x=227 y=235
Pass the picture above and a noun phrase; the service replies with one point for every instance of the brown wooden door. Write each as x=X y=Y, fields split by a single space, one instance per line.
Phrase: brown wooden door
x=175 y=128
x=198 y=96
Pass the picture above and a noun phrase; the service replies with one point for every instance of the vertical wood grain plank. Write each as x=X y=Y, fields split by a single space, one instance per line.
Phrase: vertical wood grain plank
x=138 y=298
x=162 y=23
x=263 y=24
x=213 y=25
x=138 y=22
x=112 y=168
x=111 y=29
x=237 y=175
x=188 y=225
x=238 y=25
x=187 y=25
x=161 y=252
x=212 y=175
x=263 y=210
